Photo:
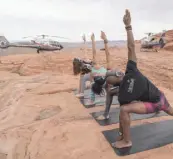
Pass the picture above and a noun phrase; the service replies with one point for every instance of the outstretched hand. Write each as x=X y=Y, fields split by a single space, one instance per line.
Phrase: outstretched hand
x=127 y=18
x=103 y=35
x=92 y=36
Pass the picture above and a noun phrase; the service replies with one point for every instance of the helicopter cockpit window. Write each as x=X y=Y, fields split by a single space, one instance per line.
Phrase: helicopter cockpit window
x=55 y=43
x=46 y=42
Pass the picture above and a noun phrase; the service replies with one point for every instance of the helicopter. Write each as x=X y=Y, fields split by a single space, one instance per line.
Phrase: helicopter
x=39 y=42
x=153 y=42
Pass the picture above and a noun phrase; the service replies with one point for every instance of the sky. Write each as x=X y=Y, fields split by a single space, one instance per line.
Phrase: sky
x=71 y=18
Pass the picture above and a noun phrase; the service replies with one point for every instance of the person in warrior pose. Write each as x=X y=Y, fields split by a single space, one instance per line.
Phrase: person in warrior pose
x=134 y=86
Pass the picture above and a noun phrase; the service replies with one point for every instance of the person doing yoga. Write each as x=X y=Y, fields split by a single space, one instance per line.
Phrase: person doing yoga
x=95 y=69
x=137 y=94
x=110 y=83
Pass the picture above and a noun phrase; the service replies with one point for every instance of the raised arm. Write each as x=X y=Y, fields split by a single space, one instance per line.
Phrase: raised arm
x=84 y=47
x=104 y=37
x=93 y=47
x=130 y=38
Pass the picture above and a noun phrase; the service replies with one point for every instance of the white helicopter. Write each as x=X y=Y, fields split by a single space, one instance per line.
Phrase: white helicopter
x=153 y=42
x=39 y=42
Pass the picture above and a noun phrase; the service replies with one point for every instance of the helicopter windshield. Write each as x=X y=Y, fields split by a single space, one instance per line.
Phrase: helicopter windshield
x=54 y=43
x=43 y=41
x=48 y=42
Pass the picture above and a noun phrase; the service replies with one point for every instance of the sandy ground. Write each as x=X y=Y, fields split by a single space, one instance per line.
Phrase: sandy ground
x=40 y=118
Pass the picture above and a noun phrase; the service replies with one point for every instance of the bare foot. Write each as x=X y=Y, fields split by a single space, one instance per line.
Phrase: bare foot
x=102 y=117
x=80 y=95
x=122 y=144
x=90 y=102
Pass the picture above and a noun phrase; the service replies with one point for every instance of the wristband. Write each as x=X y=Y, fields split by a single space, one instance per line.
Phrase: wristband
x=128 y=27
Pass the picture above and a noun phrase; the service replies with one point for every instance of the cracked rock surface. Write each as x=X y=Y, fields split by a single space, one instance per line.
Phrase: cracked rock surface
x=40 y=118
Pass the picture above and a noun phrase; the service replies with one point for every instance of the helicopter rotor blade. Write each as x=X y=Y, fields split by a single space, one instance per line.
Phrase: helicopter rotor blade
x=60 y=37
x=53 y=36
x=43 y=36
x=27 y=37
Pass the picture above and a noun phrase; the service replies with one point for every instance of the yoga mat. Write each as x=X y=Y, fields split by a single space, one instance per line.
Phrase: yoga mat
x=87 y=93
x=114 y=116
x=144 y=137
x=99 y=100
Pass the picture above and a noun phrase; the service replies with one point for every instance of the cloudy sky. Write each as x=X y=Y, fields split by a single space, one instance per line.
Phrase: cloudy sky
x=70 y=18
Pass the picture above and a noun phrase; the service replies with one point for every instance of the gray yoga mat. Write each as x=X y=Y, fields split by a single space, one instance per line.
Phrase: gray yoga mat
x=144 y=137
x=99 y=100
x=87 y=93
x=114 y=116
